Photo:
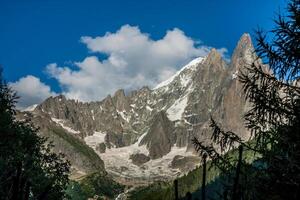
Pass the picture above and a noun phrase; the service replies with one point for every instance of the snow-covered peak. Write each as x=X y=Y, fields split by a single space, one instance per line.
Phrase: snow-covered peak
x=190 y=66
x=30 y=108
x=194 y=62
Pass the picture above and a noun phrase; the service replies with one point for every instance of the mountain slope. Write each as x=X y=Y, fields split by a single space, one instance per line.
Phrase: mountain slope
x=140 y=135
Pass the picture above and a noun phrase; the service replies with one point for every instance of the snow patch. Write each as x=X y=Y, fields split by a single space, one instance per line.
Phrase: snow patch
x=61 y=123
x=176 y=110
x=93 y=116
x=184 y=80
x=95 y=139
x=123 y=115
x=30 y=108
x=117 y=158
x=235 y=75
x=117 y=162
x=249 y=56
x=149 y=108
x=132 y=105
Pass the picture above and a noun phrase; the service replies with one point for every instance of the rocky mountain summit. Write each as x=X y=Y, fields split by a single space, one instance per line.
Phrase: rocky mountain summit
x=146 y=135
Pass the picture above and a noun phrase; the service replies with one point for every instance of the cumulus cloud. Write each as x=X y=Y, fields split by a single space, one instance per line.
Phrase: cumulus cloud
x=133 y=60
x=31 y=91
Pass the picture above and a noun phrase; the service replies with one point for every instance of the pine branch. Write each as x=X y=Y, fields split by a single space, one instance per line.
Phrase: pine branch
x=220 y=161
x=225 y=139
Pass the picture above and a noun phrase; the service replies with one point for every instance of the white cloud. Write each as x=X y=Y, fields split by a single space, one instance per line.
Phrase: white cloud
x=133 y=60
x=31 y=91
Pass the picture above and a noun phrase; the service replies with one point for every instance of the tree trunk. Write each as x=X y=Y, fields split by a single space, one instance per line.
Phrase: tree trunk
x=16 y=183
x=204 y=177
x=44 y=194
x=27 y=191
x=176 y=189
x=235 y=192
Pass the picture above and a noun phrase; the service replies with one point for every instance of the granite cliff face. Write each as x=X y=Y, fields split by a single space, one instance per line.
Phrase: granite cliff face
x=147 y=133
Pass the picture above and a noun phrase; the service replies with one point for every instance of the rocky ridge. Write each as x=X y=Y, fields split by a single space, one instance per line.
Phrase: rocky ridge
x=147 y=133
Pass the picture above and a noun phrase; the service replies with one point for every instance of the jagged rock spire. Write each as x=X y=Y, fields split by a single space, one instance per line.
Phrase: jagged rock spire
x=244 y=53
x=214 y=58
x=155 y=123
x=120 y=100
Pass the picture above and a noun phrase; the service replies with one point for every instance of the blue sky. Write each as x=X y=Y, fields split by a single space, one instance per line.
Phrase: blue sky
x=44 y=52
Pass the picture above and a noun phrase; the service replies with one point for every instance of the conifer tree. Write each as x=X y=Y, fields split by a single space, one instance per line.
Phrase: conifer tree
x=28 y=167
x=272 y=86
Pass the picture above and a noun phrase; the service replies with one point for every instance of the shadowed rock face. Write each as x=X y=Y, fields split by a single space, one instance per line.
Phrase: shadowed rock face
x=139 y=159
x=183 y=163
x=121 y=101
x=160 y=137
x=167 y=116
x=101 y=148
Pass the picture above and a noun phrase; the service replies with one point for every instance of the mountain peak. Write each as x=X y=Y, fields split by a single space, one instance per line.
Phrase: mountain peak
x=245 y=41
x=56 y=99
x=120 y=100
x=30 y=108
x=60 y=97
x=154 y=125
x=243 y=53
x=191 y=66
x=119 y=93
x=214 y=58
x=246 y=36
x=214 y=54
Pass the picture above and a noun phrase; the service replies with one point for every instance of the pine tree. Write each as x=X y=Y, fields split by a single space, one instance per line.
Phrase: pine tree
x=273 y=90
x=28 y=167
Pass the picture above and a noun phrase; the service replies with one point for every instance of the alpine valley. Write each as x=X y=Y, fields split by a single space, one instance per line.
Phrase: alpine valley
x=145 y=136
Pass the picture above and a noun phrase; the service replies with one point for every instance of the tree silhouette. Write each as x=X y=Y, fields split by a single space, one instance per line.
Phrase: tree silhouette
x=273 y=91
x=28 y=167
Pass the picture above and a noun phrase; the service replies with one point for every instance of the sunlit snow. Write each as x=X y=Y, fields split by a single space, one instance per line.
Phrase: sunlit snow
x=117 y=161
x=191 y=65
x=61 y=123
x=235 y=75
x=30 y=108
x=176 y=110
x=95 y=139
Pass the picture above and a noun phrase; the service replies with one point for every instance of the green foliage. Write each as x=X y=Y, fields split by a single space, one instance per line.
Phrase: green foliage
x=274 y=117
x=101 y=184
x=75 y=192
x=77 y=144
x=94 y=184
x=29 y=169
x=156 y=191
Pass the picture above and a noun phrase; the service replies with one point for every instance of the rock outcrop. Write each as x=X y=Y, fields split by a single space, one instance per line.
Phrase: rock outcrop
x=160 y=137
x=139 y=159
